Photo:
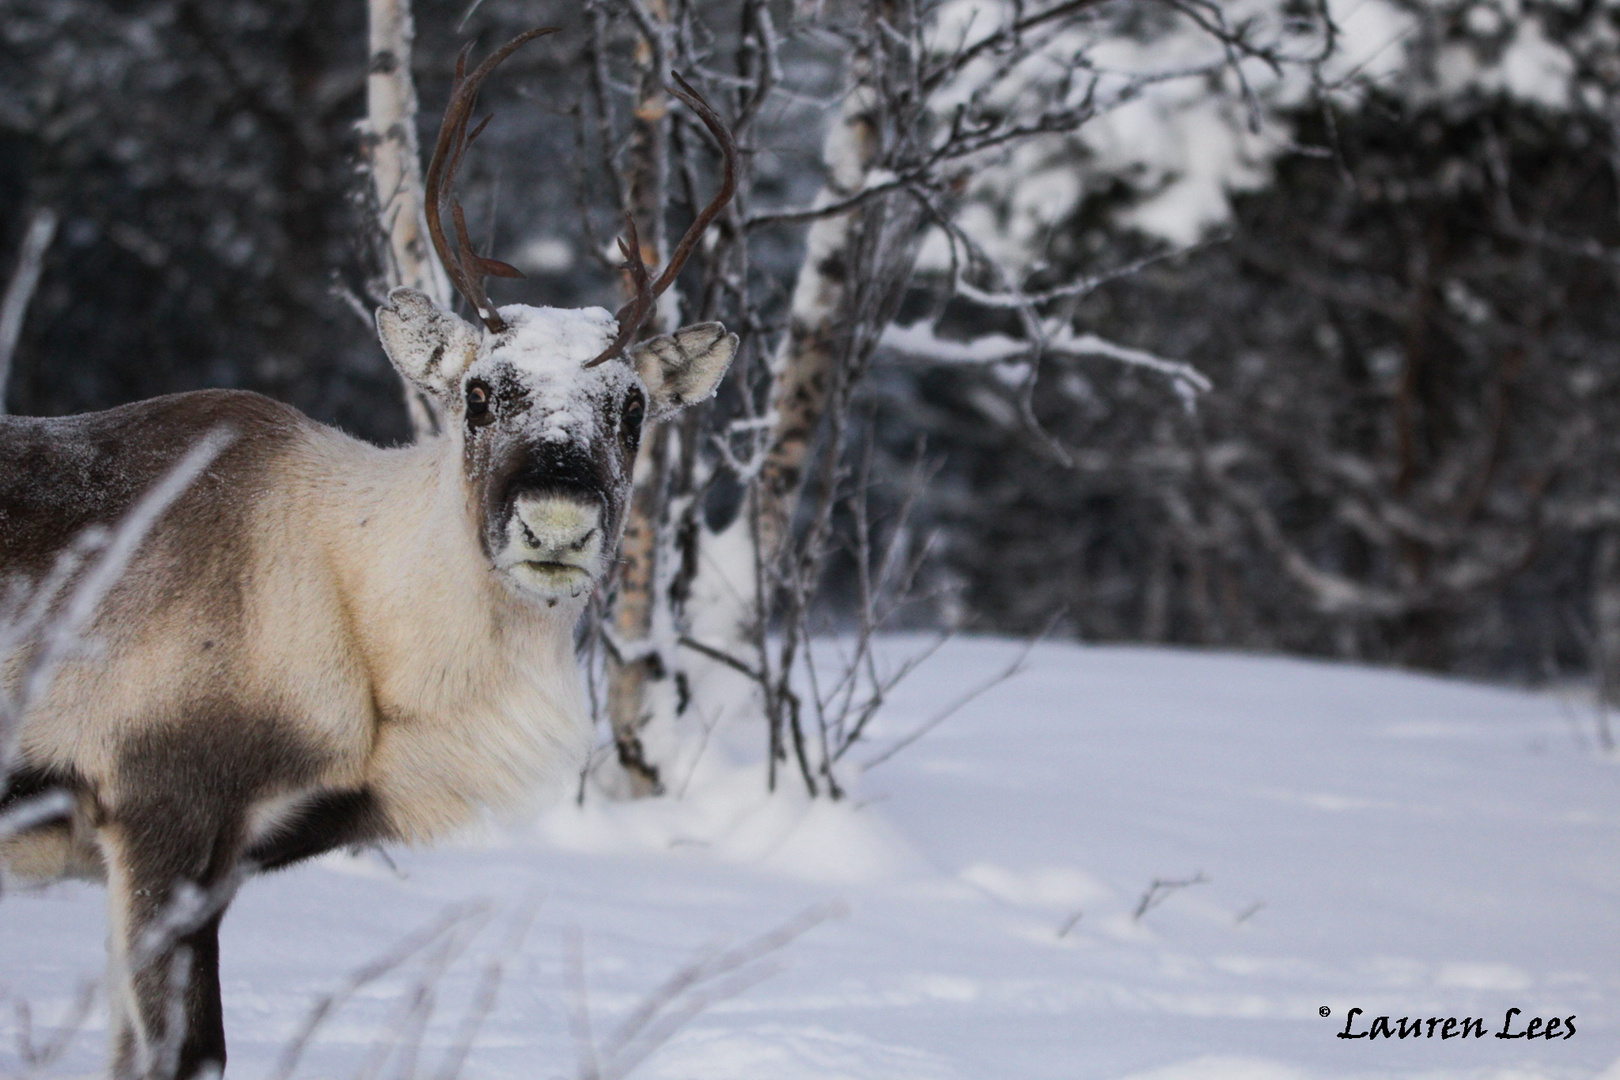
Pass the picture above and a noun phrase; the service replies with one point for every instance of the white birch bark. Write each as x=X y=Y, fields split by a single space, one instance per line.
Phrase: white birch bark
x=727 y=591
x=803 y=368
x=396 y=173
x=631 y=678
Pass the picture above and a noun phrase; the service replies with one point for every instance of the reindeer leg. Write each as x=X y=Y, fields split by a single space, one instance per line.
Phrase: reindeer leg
x=331 y=820
x=168 y=886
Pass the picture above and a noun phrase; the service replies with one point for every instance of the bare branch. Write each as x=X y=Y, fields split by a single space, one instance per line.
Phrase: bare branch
x=1016 y=667
x=686 y=993
x=20 y=291
x=1161 y=890
x=447 y=921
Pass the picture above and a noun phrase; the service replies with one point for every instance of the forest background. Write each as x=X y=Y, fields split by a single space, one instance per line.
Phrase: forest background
x=1272 y=325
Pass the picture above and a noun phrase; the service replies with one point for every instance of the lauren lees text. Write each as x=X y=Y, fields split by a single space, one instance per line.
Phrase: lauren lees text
x=1449 y=1027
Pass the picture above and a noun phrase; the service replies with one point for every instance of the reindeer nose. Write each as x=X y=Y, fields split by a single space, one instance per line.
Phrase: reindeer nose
x=552 y=529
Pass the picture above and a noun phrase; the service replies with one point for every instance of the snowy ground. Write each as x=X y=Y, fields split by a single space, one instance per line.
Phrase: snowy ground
x=1404 y=845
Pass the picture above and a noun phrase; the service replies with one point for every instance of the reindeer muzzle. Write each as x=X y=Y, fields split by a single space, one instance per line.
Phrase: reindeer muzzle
x=554 y=545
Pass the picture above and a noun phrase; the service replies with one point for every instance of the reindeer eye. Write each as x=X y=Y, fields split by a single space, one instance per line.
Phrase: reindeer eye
x=478 y=413
x=635 y=411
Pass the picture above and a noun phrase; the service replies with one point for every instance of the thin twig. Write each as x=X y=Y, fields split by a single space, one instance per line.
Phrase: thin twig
x=489 y=985
x=20 y=291
x=1161 y=890
x=447 y=920
x=1017 y=667
x=686 y=993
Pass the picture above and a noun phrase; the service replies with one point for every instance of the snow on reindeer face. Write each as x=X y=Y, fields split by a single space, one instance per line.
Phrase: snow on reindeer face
x=549 y=446
x=548 y=440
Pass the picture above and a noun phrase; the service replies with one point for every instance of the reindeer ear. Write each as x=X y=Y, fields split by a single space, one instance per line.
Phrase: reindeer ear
x=430 y=346
x=685 y=367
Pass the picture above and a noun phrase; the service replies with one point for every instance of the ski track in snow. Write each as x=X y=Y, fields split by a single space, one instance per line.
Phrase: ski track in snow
x=1406 y=845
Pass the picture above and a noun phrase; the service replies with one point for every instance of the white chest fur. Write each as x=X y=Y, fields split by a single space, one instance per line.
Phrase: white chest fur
x=477 y=698
x=436 y=765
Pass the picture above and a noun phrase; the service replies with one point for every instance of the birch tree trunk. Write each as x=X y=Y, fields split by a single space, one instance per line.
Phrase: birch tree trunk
x=855 y=270
x=396 y=175
x=804 y=367
x=635 y=611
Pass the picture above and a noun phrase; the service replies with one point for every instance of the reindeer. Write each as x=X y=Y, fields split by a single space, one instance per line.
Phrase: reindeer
x=324 y=643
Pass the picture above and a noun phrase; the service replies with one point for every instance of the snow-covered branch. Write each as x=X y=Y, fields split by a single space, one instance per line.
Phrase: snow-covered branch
x=923 y=342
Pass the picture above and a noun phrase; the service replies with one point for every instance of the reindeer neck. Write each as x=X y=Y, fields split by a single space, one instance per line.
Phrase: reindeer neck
x=414 y=559
x=476 y=692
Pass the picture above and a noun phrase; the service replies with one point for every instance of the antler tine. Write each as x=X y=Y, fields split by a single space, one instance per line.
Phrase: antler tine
x=634 y=313
x=728 y=184
x=466 y=268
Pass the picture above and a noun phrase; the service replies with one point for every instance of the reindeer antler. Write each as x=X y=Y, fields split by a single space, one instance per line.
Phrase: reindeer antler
x=467 y=268
x=634 y=313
